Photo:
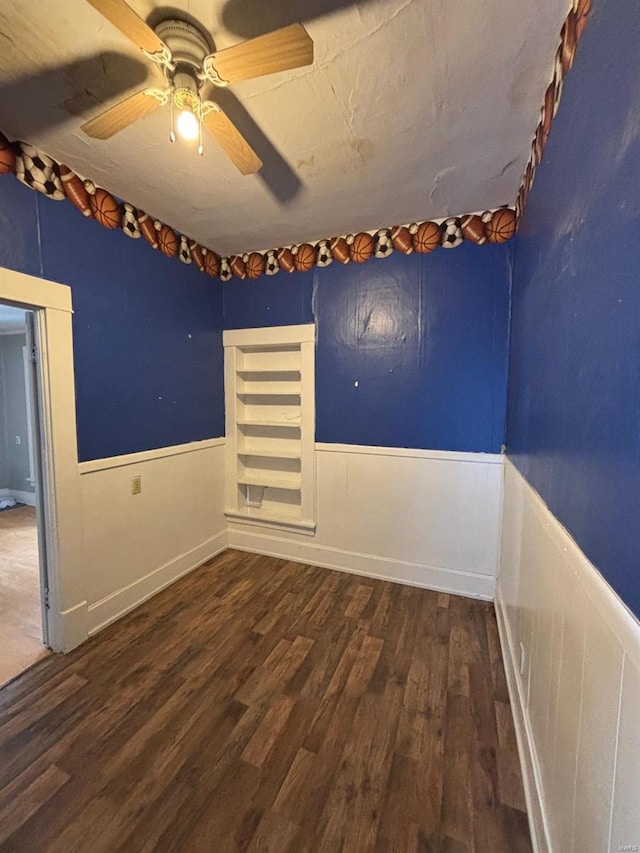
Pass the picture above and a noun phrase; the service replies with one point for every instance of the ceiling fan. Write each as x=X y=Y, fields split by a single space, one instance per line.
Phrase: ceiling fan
x=181 y=50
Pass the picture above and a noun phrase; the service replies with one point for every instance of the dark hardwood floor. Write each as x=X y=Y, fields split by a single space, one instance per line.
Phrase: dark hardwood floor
x=264 y=705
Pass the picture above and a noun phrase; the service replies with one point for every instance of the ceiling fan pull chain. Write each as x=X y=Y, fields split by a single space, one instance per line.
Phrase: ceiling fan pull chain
x=172 y=133
x=200 y=143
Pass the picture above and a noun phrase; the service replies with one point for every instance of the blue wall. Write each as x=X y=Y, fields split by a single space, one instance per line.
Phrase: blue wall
x=283 y=300
x=424 y=336
x=574 y=382
x=147 y=330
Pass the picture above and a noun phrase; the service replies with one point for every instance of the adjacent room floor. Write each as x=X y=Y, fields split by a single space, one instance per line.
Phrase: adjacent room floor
x=20 y=610
x=259 y=704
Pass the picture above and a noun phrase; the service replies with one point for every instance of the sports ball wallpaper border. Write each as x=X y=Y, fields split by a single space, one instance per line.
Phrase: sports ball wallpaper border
x=572 y=30
x=57 y=181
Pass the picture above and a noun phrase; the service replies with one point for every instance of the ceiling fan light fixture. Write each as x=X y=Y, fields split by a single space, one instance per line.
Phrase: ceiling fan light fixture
x=187 y=125
x=186 y=99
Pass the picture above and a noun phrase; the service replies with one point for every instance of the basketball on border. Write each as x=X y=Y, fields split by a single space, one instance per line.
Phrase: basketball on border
x=502 y=226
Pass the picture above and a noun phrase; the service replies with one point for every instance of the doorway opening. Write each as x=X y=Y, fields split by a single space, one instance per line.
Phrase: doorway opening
x=23 y=583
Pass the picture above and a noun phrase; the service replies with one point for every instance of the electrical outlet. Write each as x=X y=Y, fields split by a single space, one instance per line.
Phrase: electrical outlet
x=136 y=485
x=523 y=659
x=18 y=440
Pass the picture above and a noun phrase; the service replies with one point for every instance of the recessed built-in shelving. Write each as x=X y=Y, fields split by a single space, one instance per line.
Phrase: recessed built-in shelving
x=269 y=387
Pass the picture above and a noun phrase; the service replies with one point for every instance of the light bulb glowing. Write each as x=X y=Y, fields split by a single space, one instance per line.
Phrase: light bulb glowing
x=187 y=125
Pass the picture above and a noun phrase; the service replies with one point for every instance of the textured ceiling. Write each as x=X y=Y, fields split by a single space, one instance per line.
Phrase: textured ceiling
x=413 y=109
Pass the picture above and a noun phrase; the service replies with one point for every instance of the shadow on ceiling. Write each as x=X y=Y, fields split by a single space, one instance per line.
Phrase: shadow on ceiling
x=47 y=97
x=276 y=174
x=249 y=18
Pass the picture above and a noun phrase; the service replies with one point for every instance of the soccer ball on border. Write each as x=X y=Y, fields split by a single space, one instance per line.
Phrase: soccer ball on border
x=452 y=235
x=39 y=172
x=324 y=255
x=130 y=224
x=271 y=265
x=184 y=253
x=384 y=243
x=225 y=269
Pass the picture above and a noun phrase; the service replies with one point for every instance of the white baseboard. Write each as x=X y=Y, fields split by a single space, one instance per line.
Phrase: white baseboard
x=367 y=565
x=112 y=607
x=68 y=629
x=28 y=498
x=540 y=841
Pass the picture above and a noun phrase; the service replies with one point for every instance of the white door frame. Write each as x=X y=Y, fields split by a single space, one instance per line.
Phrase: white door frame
x=61 y=500
x=30 y=396
x=36 y=473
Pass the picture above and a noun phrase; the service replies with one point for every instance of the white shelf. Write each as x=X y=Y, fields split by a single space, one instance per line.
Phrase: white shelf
x=267 y=370
x=269 y=389
x=270 y=452
x=271 y=481
x=265 y=423
x=260 y=515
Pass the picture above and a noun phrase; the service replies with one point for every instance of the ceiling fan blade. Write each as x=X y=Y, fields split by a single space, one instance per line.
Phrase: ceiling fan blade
x=124 y=113
x=290 y=47
x=230 y=140
x=129 y=23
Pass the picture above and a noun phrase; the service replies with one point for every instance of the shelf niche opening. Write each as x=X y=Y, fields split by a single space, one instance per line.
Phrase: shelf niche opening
x=270 y=412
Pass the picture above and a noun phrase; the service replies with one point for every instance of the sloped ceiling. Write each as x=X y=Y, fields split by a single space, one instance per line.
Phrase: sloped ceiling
x=413 y=109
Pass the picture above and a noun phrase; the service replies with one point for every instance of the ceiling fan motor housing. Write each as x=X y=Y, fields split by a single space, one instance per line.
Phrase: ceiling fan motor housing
x=187 y=43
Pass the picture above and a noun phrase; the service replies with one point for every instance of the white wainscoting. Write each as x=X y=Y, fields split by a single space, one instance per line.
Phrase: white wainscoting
x=572 y=655
x=134 y=545
x=425 y=518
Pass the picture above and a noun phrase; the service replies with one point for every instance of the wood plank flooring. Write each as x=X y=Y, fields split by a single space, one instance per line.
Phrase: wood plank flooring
x=263 y=705
x=20 y=616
